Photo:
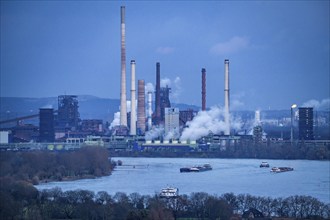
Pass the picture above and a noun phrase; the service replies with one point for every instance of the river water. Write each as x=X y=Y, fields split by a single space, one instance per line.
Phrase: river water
x=147 y=176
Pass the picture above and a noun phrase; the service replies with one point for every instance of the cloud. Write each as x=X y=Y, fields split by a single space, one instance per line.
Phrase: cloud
x=318 y=105
x=233 y=45
x=165 y=50
x=236 y=101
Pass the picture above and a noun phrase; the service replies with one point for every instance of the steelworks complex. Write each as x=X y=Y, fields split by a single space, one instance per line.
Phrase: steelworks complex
x=142 y=128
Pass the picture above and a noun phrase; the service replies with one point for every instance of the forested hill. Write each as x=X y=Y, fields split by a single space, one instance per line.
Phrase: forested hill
x=90 y=107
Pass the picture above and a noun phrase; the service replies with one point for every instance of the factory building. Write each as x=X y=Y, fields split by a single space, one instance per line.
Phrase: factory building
x=171 y=119
x=306 y=121
x=257 y=135
x=93 y=126
x=185 y=116
x=68 y=117
x=46 y=125
x=164 y=102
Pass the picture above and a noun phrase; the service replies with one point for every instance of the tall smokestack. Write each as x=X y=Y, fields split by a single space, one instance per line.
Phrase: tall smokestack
x=123 y=111
x=133 y=105
x=203 y=89
x=141 y=112
x=149 y=110
x=157 y=103
x=227 y=122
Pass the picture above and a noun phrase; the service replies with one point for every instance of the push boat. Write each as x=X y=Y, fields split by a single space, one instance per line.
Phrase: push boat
x=169 y=192
x=264 y=164
x=201 y=168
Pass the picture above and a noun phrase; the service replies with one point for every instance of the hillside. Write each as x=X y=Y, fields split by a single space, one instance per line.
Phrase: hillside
x=90 y=107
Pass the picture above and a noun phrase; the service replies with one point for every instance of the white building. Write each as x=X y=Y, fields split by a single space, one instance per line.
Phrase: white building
x=171 y=120
x=4 y=137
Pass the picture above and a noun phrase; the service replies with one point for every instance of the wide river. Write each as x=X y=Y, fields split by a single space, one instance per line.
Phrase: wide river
x=147 y=176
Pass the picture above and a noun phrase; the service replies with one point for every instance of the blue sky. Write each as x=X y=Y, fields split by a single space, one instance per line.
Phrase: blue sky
x=278 y=50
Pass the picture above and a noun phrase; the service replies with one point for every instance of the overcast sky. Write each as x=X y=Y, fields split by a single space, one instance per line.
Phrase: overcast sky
x=278 y=50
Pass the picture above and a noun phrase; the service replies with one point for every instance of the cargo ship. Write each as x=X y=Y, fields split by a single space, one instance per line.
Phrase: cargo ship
x=202 y=168
x=281 y=169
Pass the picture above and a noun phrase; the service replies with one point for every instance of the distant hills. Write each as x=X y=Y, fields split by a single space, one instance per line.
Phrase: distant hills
x=90 y=107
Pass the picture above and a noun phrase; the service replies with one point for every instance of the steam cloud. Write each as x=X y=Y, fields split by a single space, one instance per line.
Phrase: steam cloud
x=116 y=120
x=173 y=134
x=154 y=133
x=149 y=87
x=208 y=121
x=322 y=105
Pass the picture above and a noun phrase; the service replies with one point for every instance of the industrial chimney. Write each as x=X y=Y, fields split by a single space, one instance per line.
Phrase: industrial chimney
x=141 y=113
x=226 y=114
x=203 y=89
x=149 y=110
x=157 y=102
x=133 y=104
x=123 y=111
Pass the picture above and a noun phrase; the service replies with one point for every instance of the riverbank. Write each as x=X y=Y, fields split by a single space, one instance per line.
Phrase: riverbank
x=47 y=166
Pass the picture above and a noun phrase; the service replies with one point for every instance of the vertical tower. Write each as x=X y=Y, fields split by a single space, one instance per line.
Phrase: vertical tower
x=306 y=121
x=157 y=102
x=226 y=114
x=46 y=125
x=123 y=111
x=133 y=104
x=149 y=110
x=203 y=89
x=141 y=113
x=257 y=120
x=68 y=116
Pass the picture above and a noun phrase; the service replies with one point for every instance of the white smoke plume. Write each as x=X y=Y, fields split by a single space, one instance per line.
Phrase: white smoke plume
x=208 y=121
x=318 y=105
x=154 y=133
x=165 y=82
x=149 y=87
x=173 y=134
x=116 y=120
x=177 y=89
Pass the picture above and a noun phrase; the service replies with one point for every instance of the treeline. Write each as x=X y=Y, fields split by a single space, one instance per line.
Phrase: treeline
x=36 y=166
x=279 y=151
x=25 y=202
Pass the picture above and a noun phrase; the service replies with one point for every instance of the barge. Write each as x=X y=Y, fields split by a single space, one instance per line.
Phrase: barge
x=202 y=168
x=281 y=169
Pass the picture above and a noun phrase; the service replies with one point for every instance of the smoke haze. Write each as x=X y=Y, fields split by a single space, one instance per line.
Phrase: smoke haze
x=208 y=121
